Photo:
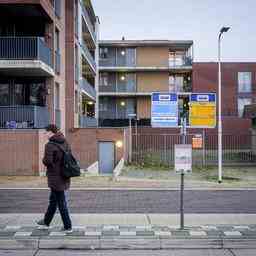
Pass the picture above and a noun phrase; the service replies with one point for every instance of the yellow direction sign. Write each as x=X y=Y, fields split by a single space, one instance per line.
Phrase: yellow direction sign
x=202 y=111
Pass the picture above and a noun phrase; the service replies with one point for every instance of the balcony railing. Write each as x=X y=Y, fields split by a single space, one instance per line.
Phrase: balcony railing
x=88 y=55
x=87 y=121
x=23 y=117
x=180 y=62
x=84 y=85
x=58 y=117
x=88 y=21
x=25 y=48
x=57 y=62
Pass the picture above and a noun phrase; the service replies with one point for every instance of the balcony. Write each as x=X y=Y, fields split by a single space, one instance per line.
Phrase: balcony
x=86 y=122
x=26 y=117
x=183 y=61
x=88 y=22
x=88 y=89
x=88 y=56
x=26 y=56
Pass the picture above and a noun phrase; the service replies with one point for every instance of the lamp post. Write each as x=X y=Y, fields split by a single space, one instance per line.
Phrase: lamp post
x=223 y=30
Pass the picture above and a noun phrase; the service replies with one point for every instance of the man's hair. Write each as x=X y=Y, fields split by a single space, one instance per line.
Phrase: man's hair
x=52 y=128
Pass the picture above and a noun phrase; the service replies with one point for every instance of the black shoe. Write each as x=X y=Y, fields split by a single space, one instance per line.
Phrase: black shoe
x=41 y=224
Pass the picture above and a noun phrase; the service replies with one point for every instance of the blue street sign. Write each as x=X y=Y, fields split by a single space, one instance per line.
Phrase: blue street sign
x=164 y=110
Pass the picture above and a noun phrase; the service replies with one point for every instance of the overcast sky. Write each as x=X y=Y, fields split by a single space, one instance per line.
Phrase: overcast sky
x=197 y=20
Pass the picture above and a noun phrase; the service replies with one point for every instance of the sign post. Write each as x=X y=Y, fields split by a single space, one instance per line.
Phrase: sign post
x=183 y=164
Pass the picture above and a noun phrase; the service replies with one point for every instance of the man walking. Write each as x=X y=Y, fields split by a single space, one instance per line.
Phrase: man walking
x=53 y=160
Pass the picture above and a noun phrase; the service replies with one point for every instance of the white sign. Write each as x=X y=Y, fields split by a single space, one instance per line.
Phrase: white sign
x=183 y=158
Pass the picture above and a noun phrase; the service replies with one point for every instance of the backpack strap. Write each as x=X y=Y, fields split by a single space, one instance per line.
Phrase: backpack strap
x=58 y=145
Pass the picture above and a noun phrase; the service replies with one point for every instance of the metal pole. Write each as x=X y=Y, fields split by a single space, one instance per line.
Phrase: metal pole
x=182 y=177
x=130 y=140
x=219 y=116
x=181 y=201
x=204 y=163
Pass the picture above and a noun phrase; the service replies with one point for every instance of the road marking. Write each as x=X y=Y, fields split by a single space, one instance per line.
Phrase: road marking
x=127 y=233
x=163 y=233
x=22 y=234
x=232 y=233
x=12 y=227
x=197 y=233
x=58 y=233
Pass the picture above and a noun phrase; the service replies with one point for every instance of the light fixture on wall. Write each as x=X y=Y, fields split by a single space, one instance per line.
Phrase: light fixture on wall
x=122 y=77
x=119 y=144
x=90 y=103
x=123 y=52
x=122 y=103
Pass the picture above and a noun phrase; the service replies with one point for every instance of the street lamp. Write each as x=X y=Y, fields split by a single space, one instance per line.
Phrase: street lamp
x=223 y=30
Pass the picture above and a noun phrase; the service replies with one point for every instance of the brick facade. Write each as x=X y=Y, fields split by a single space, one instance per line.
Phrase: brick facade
x=84 y=143
x=21 y=152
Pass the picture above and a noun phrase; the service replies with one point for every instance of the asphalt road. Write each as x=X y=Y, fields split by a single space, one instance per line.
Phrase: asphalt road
x=190 y=252
x=120 y=201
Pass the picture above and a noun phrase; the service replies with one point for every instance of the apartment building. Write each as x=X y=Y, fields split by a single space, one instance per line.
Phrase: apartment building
x=81 y=68
x=238 y=90
x=48 y=52
x=32 y=61
x=129 y=71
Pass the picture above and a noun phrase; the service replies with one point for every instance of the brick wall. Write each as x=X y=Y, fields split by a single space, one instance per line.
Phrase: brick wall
x=21 y=152
x=84 y=143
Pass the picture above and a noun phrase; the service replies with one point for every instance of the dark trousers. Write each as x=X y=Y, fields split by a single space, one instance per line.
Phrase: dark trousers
x=58 y=199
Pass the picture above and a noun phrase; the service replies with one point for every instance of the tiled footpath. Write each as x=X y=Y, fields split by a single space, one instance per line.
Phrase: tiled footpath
x=128 y=237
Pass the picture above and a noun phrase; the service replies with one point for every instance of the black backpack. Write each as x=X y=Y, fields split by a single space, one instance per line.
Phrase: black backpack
x=71 y=167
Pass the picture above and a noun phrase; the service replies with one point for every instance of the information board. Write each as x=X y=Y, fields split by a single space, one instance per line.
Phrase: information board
x=183 y=158
x=164 y=110
x=202 y=110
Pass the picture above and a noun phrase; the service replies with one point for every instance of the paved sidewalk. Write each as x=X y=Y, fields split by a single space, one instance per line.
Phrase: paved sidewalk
x=128 y=231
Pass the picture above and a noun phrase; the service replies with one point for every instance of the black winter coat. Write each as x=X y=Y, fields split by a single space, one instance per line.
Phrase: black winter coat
x=53 y=160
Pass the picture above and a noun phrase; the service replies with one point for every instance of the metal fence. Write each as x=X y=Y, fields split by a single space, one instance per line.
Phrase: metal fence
x=25 y=48
x=23 y=117
x=158 y=149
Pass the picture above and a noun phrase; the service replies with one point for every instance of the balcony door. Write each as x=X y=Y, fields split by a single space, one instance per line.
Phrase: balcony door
x=15 y=92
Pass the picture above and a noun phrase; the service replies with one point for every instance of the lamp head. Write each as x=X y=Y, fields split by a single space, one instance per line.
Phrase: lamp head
x=224 y=29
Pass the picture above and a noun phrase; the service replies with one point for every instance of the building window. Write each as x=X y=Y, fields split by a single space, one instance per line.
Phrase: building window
x=104 y=79
x=176 y=58
x=103 y=53
x=103 y=106
x=241 y=103
x=57 y=8
x=57 y=51
x=176 y=83
x=244 y=81
x=76 y=102
x=4 y=94
x=57 y=96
